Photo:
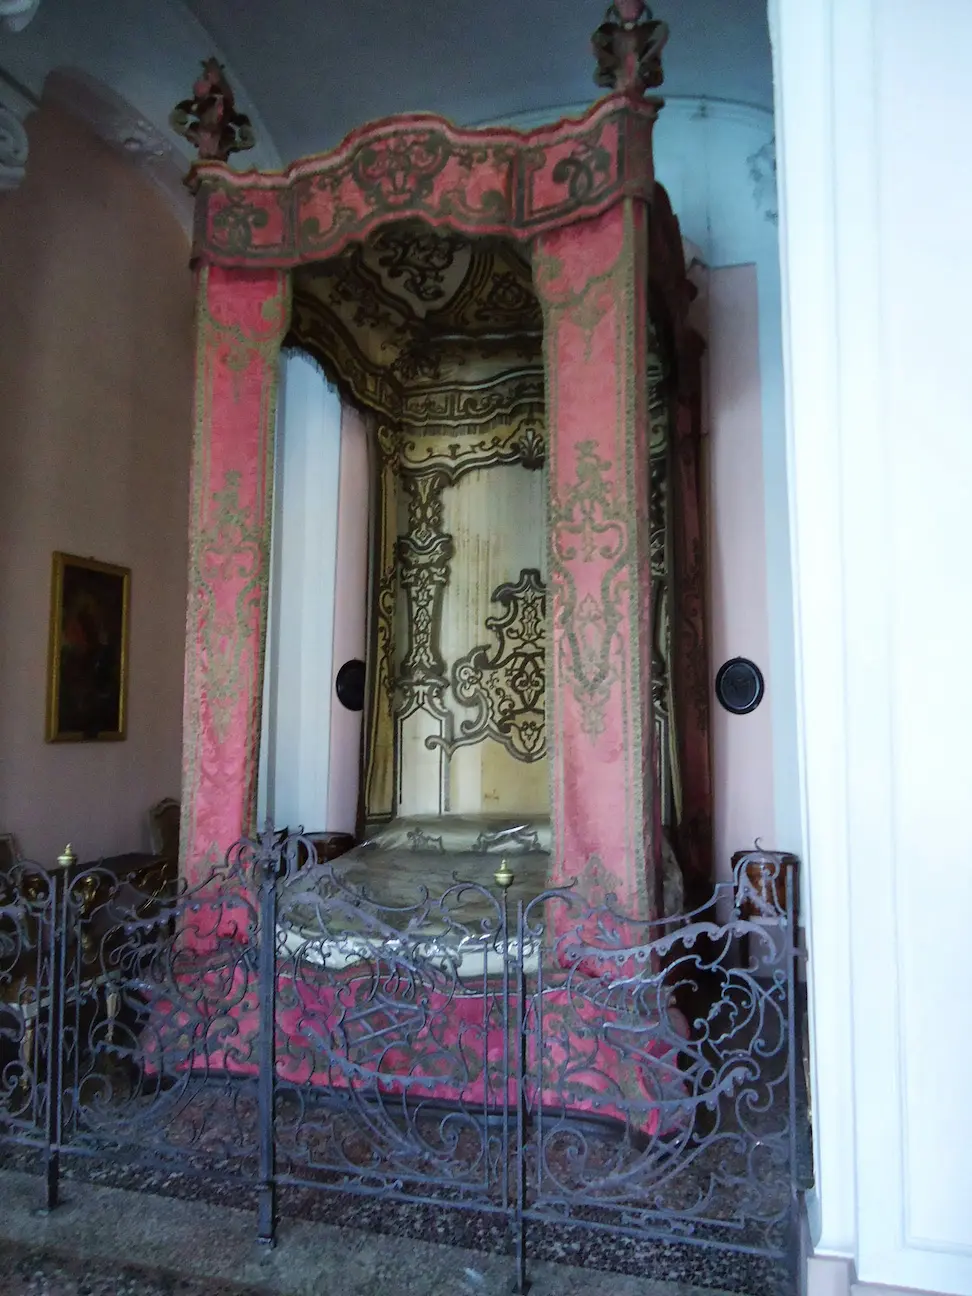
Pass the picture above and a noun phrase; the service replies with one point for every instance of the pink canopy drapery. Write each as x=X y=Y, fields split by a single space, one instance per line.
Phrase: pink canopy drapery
x=592 y=281
x=581 y=193
x=241 y=320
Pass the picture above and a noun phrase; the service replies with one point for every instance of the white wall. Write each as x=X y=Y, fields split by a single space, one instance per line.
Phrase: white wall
x=742 y=745
x=873 y=111
x=718 y=164
x=96 y=348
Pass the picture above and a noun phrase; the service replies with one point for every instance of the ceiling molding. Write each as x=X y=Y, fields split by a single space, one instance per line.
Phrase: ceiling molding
x=121 y=78
x=16 y=14
x=127 y=132
x=697 y=107
x=13 y=148
x=16 y=104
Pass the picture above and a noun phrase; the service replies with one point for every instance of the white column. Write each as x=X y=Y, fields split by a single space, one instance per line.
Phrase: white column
x=873 y=106
x=295 y=747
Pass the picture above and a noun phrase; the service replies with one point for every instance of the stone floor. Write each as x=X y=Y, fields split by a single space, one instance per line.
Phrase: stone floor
x=113 y=1242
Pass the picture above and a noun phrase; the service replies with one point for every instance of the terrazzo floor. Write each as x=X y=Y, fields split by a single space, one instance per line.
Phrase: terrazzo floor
x=33 y=1269
x=575 y=1249
x=154 y=1231
x=114 y=1242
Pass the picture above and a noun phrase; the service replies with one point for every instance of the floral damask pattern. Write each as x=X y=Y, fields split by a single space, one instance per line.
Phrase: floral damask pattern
x=587 y=523
x=505 y=685
x=660 y=540
x=592 y=282
x=380 y=732
x=241 y=323
x=228 y=553
x=419 y=258
x=495 y=181
x=236 y=221
x=399 y=170
x=424 y=555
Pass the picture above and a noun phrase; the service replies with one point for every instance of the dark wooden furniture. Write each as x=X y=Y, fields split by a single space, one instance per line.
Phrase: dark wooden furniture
x=764 y=883
x=329 y=845
x=134 y=880
x=164 y=819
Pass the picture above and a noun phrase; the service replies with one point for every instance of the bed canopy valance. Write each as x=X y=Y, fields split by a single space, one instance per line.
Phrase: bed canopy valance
x=499 y=300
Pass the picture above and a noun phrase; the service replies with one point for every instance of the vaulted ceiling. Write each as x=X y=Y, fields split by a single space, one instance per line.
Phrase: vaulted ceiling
x=317 y=68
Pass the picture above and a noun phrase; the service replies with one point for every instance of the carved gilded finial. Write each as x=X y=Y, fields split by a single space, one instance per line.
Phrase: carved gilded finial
x=67 y=857
x=628 y=46
x=209 y=120
x=504 y=875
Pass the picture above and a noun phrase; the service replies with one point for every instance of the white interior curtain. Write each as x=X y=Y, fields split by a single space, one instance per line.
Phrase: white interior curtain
x=295 y=750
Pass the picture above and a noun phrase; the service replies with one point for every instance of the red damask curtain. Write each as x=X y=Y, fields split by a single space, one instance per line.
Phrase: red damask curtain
x=592 y=282
x=242 y=316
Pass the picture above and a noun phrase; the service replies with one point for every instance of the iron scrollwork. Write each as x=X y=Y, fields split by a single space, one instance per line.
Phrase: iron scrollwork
x=544 y=1059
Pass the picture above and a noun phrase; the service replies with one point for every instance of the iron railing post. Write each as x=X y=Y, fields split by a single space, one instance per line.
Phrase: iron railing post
x=794 y=1241
x=58 y=918
x=506 y=1022
x=267 y=990
x=521 y=1283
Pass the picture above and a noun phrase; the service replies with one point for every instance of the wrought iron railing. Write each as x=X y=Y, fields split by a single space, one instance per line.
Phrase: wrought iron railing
x=553 y=1062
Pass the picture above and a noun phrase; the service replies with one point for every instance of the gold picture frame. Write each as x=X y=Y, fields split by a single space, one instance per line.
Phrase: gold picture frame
x=87 y=662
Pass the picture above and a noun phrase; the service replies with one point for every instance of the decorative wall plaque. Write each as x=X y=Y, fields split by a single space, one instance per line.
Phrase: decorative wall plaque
x=739 y=686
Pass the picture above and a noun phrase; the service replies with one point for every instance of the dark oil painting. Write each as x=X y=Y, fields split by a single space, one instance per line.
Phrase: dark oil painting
x=88 y=665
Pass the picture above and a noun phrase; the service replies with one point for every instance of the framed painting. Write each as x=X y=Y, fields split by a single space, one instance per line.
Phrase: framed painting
x=87 y=680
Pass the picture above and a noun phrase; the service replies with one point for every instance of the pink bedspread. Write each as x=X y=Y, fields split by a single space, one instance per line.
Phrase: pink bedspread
x=386 y=1031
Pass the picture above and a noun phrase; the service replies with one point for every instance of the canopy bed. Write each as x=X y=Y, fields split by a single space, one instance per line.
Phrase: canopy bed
x=511 y=308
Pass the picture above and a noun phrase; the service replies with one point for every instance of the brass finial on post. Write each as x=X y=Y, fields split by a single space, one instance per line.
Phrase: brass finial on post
x=504 y=875
x=67 y=857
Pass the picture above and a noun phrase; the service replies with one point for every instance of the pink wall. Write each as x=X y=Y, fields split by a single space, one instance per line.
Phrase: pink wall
x=95 y=401
x=350 y=617
x=742 y=746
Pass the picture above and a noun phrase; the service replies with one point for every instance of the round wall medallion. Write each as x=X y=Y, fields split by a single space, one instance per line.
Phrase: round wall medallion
x=739 y=686
x=350 y=685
